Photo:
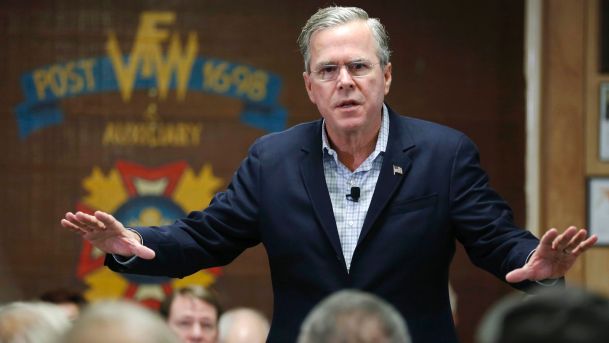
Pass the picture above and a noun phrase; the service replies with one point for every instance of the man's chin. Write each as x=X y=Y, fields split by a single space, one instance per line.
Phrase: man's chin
x=350 y=126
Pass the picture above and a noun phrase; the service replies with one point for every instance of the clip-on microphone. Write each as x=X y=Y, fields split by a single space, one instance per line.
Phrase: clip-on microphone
x=354 y=195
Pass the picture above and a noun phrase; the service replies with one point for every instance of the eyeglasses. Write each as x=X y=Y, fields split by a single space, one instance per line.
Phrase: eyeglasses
x=330 y=72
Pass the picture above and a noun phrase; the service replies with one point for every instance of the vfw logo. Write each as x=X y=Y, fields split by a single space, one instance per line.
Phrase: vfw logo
x=141 y=196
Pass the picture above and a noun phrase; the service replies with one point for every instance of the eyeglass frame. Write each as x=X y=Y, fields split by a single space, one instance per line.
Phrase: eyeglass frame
x=316 y=73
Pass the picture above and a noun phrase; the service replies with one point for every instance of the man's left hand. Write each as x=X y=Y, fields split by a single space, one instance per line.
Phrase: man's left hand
x=554 y=256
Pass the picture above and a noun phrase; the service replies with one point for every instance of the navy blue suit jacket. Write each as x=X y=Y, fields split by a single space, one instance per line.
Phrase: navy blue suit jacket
x=278 y=197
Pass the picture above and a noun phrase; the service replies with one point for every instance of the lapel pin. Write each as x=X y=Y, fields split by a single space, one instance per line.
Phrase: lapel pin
x=397 y=170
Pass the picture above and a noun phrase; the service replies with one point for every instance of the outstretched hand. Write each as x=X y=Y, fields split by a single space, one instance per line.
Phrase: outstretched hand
x=554 y=256
x=107 y=234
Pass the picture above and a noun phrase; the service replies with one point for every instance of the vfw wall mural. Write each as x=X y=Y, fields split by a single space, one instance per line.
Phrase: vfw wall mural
x=161 y=63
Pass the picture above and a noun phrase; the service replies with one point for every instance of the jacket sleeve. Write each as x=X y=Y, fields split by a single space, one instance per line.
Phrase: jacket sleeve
x=212 y=237
x=483 y=221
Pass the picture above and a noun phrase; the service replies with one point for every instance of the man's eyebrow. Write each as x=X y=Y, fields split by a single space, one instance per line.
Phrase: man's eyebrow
x=324 y=63
x=355 y=60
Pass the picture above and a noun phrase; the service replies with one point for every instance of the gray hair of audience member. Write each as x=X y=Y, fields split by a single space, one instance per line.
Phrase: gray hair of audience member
x=552 y=315
x=335 y=16
x=243 y=325
x=31 y=322
x=197 y=292
x=354 y=316
x=119 y=322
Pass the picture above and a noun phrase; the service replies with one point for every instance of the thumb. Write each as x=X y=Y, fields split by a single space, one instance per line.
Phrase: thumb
x=517 y=275
x=142 y=251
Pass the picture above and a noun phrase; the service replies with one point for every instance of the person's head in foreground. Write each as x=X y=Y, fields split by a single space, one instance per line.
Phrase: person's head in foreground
x=31 y=322
x=554 y=315
x=193 y=313
x=351 y=316
x=119 y=322
x=243 y=325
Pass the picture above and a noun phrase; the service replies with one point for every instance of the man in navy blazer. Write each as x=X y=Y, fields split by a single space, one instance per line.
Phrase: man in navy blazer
x=364 y=198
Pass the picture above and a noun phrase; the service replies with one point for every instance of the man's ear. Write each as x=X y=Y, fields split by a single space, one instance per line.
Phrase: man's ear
x=308 y=85
x=387 y=75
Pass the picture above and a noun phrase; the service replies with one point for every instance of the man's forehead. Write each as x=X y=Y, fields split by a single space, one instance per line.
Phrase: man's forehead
x=185 y=302
x=348 y=26
x=342 y=43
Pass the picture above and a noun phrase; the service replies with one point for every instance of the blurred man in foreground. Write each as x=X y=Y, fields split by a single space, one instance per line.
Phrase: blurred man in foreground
x=243 y=325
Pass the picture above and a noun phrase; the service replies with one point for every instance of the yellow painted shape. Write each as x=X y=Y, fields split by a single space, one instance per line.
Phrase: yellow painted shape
x=106 y=193
x=194 y=192
x=105 y=284
x=201 y=278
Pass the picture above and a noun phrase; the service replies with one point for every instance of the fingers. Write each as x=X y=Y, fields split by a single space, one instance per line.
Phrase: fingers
x=71 y=226
x=78 y=222
x=547 y=240
x=561 y=241
x=89 y=222
x=573 y=241
x=83 y=223
x=108 y=220
x=584 y=245
x=579 y=237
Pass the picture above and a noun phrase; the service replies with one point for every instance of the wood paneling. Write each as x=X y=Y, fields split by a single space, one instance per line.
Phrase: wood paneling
x=570 y=126
x=597 y=260
x=593 y=81
x=562 y=123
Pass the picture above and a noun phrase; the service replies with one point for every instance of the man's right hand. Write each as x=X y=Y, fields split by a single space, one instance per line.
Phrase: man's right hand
x=107 y=234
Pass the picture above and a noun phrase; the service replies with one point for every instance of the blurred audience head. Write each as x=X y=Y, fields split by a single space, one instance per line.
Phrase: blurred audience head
x=243 y=325
x=119 y=322
x=352 y=316
x=552 y=315
x=193 y=312
x=69 y=301
x=31 y=322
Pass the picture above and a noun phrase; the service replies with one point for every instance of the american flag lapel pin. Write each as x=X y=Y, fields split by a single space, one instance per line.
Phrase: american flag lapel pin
x=397 y=170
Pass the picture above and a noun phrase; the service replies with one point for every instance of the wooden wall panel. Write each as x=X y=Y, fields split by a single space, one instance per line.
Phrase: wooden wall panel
x=562 y=123
x=597 y=261
x=570 y=126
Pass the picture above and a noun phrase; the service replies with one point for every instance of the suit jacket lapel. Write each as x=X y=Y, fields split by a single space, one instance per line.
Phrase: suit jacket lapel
x=311 y=167
x=395 y=159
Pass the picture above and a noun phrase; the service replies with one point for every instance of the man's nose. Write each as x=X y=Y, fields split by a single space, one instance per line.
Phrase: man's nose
x=196 y=332
x=344 y=79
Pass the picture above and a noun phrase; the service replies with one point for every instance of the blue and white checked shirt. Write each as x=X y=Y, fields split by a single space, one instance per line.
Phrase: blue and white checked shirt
x=349 y=214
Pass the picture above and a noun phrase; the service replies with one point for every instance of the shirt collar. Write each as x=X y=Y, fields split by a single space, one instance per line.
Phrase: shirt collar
x=381 y=142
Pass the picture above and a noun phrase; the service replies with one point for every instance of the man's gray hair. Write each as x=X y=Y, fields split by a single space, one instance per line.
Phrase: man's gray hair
x=31 y=322
x=334 y=16
x=243 y=321
x=353 y=316
x=119 y=322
